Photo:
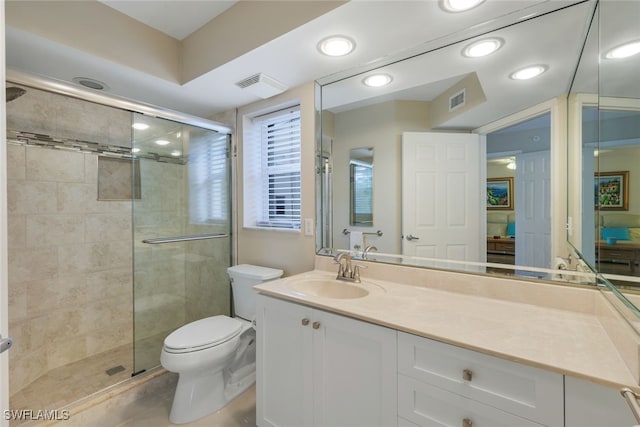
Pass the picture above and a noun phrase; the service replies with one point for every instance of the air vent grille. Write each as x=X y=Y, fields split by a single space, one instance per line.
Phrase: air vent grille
x=457 y=100
x=248 y=81
x=262 y=85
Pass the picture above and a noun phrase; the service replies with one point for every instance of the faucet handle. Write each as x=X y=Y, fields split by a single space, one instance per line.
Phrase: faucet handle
x=356 y=271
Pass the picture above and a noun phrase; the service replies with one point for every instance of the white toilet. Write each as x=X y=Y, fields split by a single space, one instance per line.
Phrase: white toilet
x=215 y=357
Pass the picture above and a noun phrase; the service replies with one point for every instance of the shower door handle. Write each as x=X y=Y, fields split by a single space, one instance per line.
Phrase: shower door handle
x=5 y=344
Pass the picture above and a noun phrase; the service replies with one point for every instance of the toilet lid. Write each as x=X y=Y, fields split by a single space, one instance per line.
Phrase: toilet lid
x=203 y=333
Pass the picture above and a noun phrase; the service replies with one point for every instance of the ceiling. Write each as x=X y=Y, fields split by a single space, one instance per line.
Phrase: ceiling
x=234 y=40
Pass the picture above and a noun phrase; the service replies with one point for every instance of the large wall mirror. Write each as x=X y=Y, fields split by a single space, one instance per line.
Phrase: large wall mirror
x=450 y=128
x=604 y=152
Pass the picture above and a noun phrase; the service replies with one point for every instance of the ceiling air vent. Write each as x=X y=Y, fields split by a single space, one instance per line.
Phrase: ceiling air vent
x=262 y=85
x=457 y=100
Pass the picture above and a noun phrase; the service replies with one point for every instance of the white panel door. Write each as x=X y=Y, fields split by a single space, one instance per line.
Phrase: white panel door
x=533 y=209
x=443 y=196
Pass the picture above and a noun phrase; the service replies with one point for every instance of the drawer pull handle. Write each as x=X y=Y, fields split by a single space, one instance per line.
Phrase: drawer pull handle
x=316 y=325
x=305 y=322
x=467 y=375
x=467 y=423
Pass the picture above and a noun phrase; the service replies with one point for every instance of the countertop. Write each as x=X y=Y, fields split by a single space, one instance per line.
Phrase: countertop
x=568 y=342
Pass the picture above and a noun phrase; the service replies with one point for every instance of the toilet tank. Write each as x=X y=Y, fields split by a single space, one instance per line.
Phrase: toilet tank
x=243 y=278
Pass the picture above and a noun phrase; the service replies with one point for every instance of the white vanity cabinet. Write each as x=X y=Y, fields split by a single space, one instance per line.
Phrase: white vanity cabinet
x=320 y=369
x=440 y=384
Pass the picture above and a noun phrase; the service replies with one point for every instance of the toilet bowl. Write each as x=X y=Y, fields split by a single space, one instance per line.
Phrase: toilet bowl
x=199 y=352
x=215 y=356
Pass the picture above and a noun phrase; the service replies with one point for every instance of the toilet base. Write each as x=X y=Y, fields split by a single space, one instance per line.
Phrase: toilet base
x=197 y=395
x=211 y=393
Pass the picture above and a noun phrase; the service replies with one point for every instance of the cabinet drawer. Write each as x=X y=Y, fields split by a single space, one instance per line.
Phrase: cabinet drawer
x=425 y=405
x=616 y=254
x=505 y=247
x=528 y=392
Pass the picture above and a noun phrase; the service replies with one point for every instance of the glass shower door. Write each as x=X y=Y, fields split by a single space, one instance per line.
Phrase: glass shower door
x=181 y=227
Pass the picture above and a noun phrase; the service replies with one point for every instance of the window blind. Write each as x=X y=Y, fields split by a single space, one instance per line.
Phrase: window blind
x=208 y=180
x=280 y=141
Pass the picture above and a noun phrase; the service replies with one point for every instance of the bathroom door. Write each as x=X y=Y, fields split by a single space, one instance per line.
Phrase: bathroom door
x=443 y=195
x=533 y=210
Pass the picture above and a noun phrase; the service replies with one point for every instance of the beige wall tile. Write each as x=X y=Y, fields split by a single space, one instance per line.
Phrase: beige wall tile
x=54 y=165
x=54 y=230
x=107 y=227
x=32 y=264
x=17 y=237
x=25 y=197
x=16 y=162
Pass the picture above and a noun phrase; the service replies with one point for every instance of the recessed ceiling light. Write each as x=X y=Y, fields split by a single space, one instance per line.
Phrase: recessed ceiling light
x=482 y=47
x=162 y=142
x=176 y=153
x=623 y=51
x=140 y=126
x=90 y=83
x=459 y=5
x=528 y=73
x=336 y=45
x=135 y=150
x=377 y=80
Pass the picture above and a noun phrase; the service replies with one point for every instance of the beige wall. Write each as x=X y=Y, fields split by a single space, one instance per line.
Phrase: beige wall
x=290 y=251
x=379 y=126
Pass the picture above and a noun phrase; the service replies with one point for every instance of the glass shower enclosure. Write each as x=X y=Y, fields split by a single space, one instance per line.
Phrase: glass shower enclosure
x=181 y=228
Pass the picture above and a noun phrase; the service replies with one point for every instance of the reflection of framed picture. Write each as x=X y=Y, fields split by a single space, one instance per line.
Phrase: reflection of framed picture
x=612 y=190
x=500 y=193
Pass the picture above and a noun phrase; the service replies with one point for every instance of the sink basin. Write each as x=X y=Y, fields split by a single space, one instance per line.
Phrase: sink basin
x=330 y=289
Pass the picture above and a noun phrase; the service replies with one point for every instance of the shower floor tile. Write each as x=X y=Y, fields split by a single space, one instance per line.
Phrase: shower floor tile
x=69 y=383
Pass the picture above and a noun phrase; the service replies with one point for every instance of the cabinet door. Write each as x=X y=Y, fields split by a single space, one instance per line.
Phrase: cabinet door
x=355 y=377
x=592 y=405
x=283 y=369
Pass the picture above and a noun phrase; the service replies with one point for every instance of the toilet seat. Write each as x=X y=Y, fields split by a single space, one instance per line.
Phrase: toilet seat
x=202 y=334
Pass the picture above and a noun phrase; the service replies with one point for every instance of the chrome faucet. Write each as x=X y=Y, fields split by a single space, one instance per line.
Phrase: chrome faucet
x=346 y=271
x=368 y=249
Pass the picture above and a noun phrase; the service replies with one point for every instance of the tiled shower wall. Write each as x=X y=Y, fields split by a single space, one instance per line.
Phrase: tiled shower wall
x=71 y=260
x=70 y=255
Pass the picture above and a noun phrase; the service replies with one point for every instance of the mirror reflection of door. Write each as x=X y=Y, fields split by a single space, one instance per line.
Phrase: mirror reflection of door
x=361 y=187
x=441 y=188
x=520 y=233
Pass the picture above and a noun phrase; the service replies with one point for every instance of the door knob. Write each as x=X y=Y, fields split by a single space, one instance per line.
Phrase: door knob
x=410 y=237
x=305 y=322
x=315 y=325
x=5 y=344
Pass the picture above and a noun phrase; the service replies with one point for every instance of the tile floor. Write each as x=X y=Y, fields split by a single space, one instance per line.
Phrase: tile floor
x=69 y=383
x=153 y=411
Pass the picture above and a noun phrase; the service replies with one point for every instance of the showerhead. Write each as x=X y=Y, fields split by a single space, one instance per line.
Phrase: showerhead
x=14 y=92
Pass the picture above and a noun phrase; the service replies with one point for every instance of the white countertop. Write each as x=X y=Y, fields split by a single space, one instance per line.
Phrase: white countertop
x=568 y=342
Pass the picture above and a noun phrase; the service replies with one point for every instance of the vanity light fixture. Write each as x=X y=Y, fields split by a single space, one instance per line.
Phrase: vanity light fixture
x=459 y=5
x=529 y=72
x=162 y=142
x=377 y=80
x=140 y=126
x=482 y=47
x=336 y=45
x=623 y=51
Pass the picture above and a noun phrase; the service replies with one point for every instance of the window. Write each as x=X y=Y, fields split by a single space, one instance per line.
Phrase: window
x=272 y=170
x=208 y=178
